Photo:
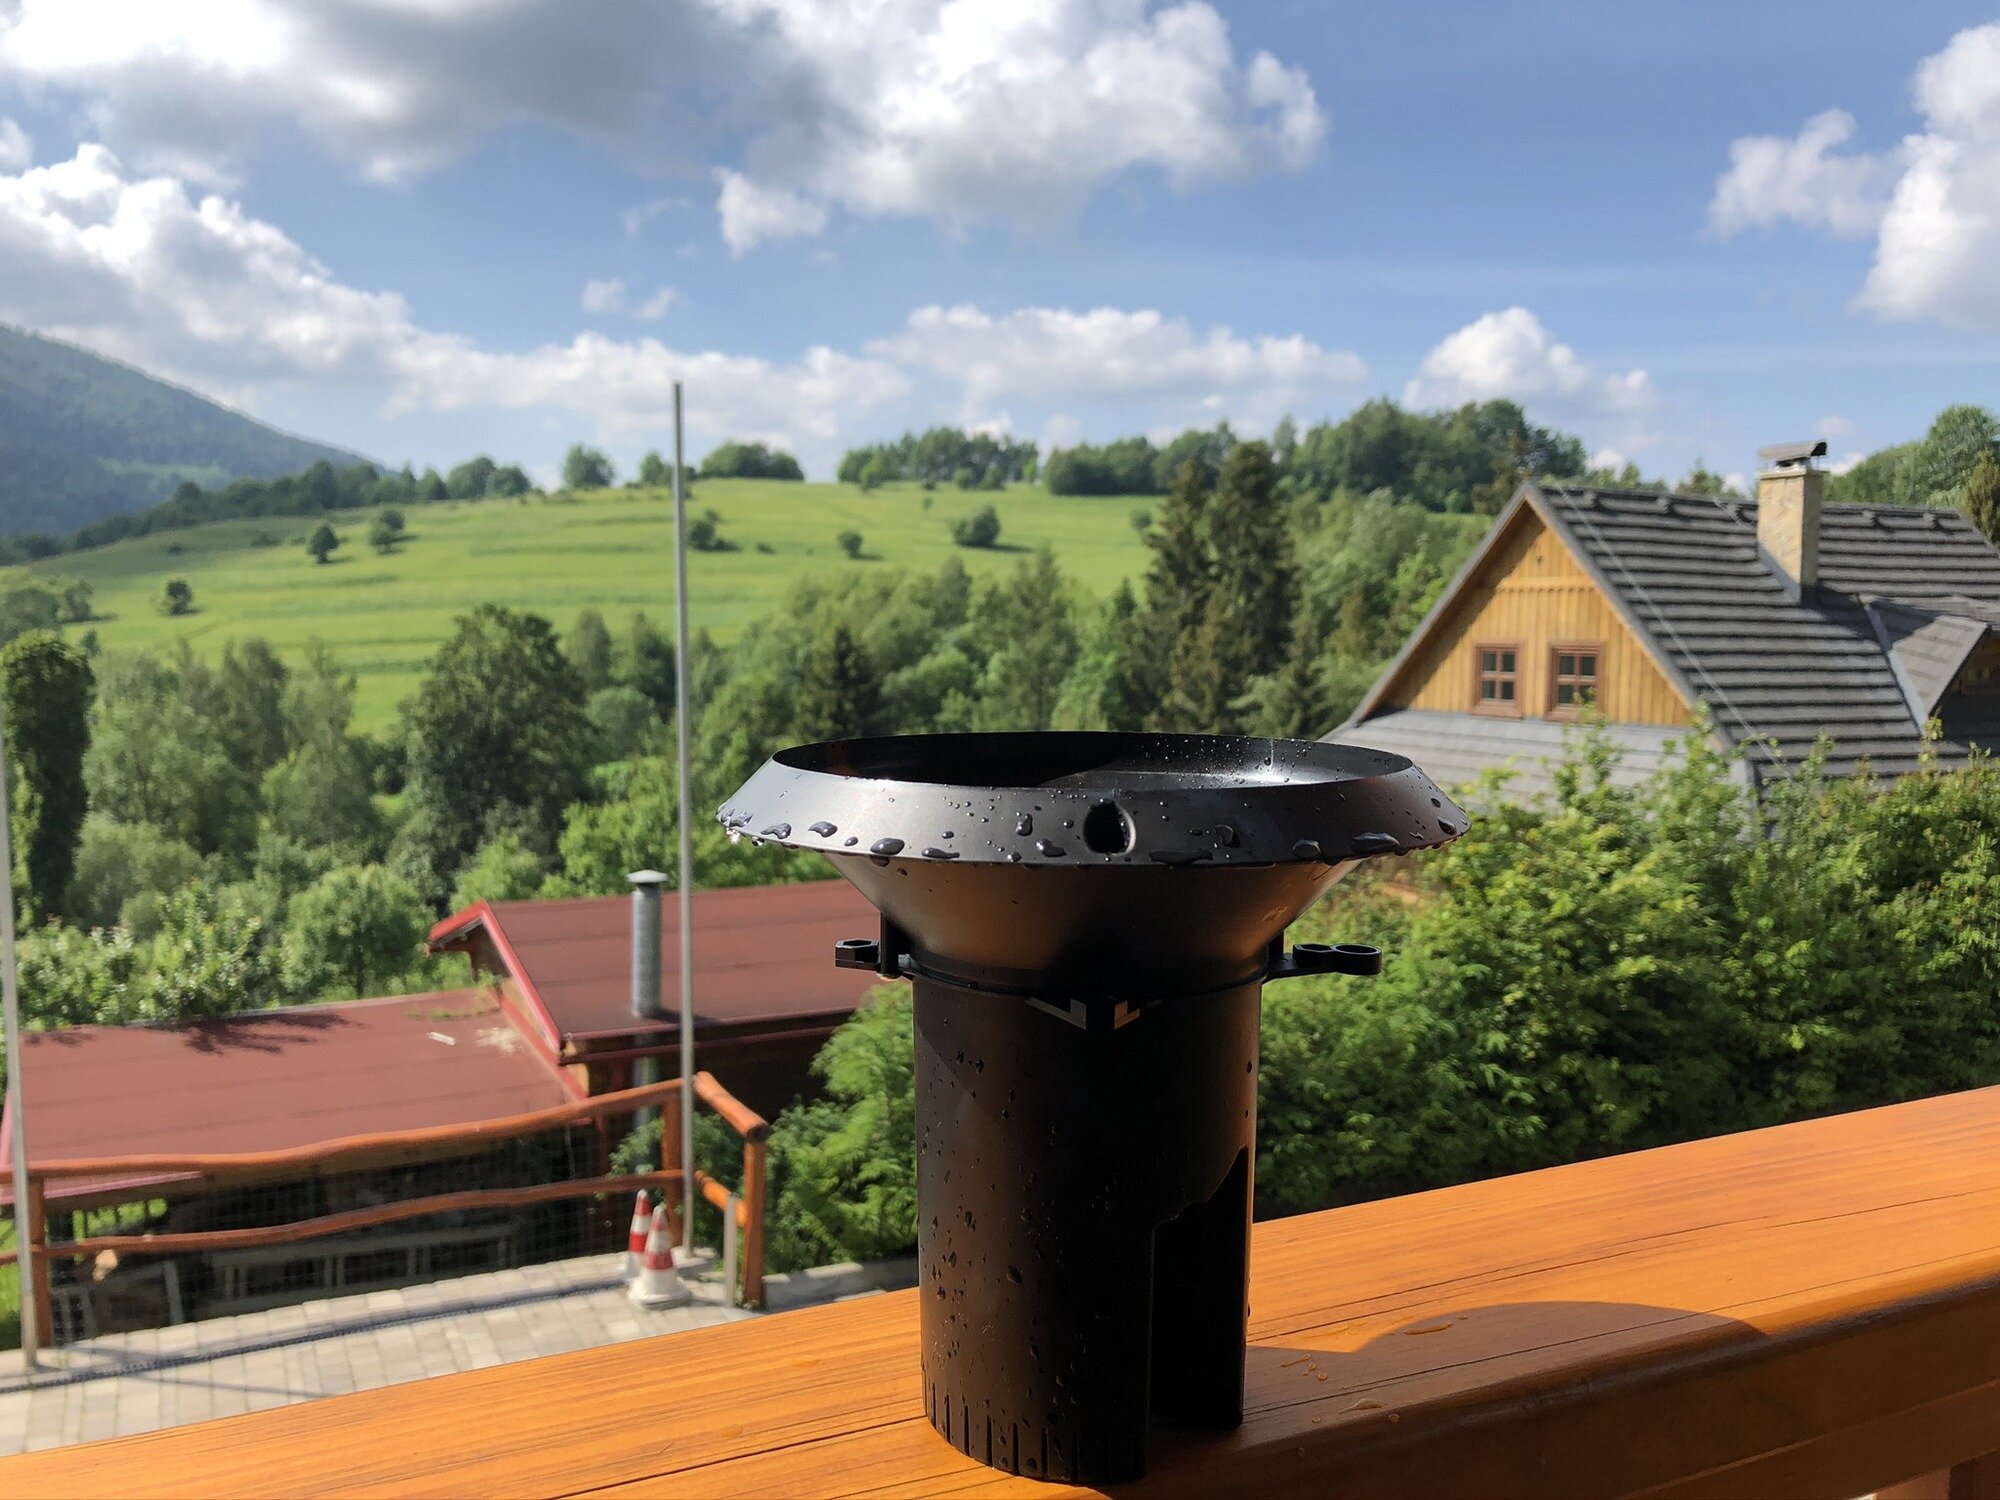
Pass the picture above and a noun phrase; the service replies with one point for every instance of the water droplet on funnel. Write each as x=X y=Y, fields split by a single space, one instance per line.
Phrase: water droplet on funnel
x=825 y=830
x=940 y=854
x=886 y=847
x=1376 y=843
x=1049 y=850
x=849 y=842
x=777 y=831
x=1024 y=825
x=735 y=835
x=1305 y=849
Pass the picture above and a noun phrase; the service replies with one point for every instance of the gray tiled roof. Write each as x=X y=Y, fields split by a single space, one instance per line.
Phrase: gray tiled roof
x=1687 y=572
x=1456 y=748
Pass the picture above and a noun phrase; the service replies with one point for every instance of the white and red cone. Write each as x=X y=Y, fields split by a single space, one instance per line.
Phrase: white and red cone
x=659 y=1284
x=635 y=1240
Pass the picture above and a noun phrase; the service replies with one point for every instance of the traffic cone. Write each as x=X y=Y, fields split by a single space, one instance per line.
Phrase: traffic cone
x=659 y=1284
x=635 y=1240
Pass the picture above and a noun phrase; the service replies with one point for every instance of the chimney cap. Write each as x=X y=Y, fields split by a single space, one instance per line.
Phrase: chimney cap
x=642 y=878
x=1792 y=455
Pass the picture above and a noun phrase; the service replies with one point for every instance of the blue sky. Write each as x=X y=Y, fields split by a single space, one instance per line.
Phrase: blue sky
x=436 y=226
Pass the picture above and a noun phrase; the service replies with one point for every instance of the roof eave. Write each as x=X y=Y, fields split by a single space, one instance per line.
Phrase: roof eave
x=1641 y=632
x=1366 y=708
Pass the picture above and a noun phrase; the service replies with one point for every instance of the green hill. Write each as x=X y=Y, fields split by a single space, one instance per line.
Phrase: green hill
x=383 y=616
x=82 y=437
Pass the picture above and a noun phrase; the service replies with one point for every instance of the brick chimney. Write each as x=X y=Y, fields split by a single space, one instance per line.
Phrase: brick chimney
x=1790 y=492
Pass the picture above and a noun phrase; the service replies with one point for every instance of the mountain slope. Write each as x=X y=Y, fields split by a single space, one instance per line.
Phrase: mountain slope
x=383 y=616
x=82 y=436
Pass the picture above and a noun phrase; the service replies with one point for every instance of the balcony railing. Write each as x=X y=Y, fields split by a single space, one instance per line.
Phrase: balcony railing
x=1808 y=1310
x=182 y=1174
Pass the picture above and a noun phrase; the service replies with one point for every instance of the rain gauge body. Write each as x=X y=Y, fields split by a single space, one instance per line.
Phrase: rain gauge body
x=1088 y=921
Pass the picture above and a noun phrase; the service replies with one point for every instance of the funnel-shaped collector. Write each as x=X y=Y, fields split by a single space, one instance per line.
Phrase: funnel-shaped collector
x=1088 y=920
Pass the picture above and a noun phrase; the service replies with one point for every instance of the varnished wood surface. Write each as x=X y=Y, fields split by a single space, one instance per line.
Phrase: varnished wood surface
x=1812 y=1310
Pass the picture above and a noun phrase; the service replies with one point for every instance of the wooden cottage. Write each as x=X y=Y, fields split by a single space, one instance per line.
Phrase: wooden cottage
x=1787 y=617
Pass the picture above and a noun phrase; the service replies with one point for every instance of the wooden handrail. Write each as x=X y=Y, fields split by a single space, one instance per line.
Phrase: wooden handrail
x=1807 y=1310
x=717 y=1196
x=359 y=1218
x=223 y=1164
x=737 y=1115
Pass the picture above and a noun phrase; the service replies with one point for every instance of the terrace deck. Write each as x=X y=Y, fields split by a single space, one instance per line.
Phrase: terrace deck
x=1813 y=1309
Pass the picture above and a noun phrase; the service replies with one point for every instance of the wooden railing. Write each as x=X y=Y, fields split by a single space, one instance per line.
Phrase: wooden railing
x=1812 y=1310
x=196 y=1171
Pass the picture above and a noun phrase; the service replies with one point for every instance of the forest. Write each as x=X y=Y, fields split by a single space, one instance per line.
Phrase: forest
x=201 y=835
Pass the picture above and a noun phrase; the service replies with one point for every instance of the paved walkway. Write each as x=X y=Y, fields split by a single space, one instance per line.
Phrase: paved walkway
x=163 y=1377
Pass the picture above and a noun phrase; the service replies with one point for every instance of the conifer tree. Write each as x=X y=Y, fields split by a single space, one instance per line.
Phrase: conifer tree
x=47 y=686
x=1244 y=625
x=840 y=697
x=1177 y=585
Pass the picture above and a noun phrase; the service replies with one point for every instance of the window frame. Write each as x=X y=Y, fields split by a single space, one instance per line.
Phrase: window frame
x=1509 y=708
x=1560 y=649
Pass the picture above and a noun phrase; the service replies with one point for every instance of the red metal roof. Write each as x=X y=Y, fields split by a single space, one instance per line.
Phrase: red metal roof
x=762 y=954
x=271 y=1079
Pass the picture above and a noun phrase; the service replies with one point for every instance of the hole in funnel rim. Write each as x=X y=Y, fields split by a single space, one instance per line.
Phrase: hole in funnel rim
x=1106 y=829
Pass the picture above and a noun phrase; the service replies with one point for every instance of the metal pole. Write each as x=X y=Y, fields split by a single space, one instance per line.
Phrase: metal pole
x=10 y=1002
x=686 y=830
x=646 y=973
x=729 y=1294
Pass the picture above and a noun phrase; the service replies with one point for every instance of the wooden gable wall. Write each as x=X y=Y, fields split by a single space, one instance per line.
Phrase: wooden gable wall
x=1532 y=592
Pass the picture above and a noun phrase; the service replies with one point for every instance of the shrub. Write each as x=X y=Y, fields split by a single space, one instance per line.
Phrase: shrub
x=980 y=529
x=850 y=543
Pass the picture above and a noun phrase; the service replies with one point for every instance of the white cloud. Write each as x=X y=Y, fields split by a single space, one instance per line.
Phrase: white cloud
x=955 y=110
x=1510 y=354
x=1608 y=458
x=1932 y=203
x=750 y=213
x=1772 y=178
x=1055 y=354
x=1833 y=428
x=639 y=215
x=603 y=296
x=394 y=89
x=198 y=291
x=16 y=149
x=1846 y=462
x=655 y=307
x=626 y=386
x=960 y=111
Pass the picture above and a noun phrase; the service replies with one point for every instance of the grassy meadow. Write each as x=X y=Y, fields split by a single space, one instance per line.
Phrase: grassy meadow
x=383 y=616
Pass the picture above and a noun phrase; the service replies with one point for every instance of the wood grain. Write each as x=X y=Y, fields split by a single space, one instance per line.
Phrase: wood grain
x=1810 y=1310
x=1533 y=592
